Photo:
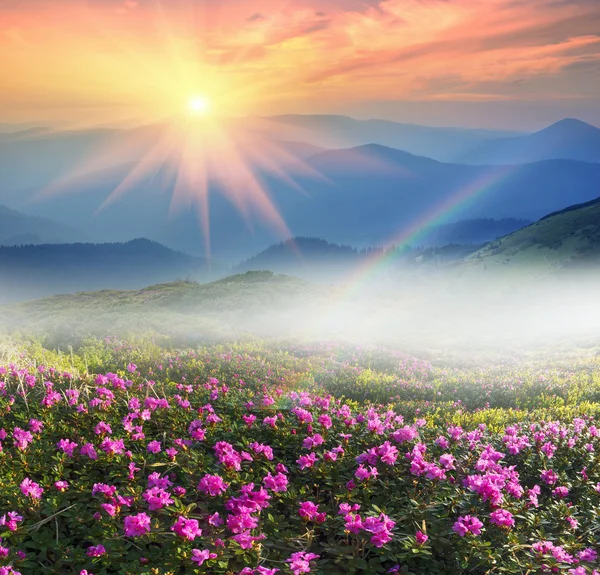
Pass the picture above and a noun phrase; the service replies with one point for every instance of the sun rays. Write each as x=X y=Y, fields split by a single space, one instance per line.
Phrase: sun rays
x=189 y=135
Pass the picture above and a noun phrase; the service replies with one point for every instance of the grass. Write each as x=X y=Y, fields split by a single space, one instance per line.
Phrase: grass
x=211 y=311
x=560 y=240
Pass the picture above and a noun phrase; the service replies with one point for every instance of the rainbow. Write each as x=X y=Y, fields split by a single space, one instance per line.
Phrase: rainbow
x=419 y=228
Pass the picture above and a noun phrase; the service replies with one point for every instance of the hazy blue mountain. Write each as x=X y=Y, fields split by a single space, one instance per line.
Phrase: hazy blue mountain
x=318 y=260
x=42 y=159
x=32 y=271
x=365 y=196
x=310 y=258
x=331 y=131
x=381 y=190
x=10 y=128
x=300 y=150
x=23 y=134
x=475 y=231
x=568 y=139
x=17 y=228
x=38 y=158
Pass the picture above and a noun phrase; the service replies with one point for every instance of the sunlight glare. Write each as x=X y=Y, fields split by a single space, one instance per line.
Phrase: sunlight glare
x=199 y=105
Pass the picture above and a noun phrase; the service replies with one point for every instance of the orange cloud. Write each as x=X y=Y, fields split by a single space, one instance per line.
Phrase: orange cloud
x=296 y=53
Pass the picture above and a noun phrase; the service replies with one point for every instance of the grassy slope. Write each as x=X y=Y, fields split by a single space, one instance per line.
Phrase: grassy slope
x=231 y=305
x=566 y=239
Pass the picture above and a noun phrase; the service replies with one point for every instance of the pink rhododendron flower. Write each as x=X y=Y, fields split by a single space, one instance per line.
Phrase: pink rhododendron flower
x=187 y=528
x=573 y=523
x=136 y=525
x=300 y=562
x=467 y=524
x=31 y=489
x=113 y=446
x=153 y=447
x=21 y=438
x=200 y=556
x=561 y=491
x=353 y=523
x=276 y=483
x=588 y=554
x=325 y=421
x=249 y=419
x=96 y=551
x=213 y=485
x=306 y=461
x=11 y=520
x=260 y=448
x=313 y=441
x=502 y=518
x=107 y=490
x=155 y=480
x=215 y=520
x=310 y=511
x=362 y=473
x=157 y=498
x=246 y=539
x=447 y=461
x=88 y=450
x=227 y=455
x=549 y=476
x=110 y=508
x=35 y=425
x=381 y=528
x=103 y=428
x=67 y=446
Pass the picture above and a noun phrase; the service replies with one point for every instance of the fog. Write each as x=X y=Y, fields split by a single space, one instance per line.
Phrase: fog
x=492 y=313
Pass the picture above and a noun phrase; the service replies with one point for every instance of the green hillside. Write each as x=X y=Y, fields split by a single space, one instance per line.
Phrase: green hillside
x=233 y=306
x=564 y=240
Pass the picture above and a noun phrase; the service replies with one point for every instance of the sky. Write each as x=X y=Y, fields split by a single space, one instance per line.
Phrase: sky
x=510 y=64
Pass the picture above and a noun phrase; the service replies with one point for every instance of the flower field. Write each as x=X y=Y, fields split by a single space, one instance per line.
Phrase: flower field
x=322 y=458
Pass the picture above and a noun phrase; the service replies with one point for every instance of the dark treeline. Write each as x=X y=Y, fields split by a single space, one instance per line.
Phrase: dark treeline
x=38 y=270
x=318 y=259
x=473 y=231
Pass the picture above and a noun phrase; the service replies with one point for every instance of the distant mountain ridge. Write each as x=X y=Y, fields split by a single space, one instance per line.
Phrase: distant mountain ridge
x=568 y=139
x=17 y=228
x=362 y=196
x=312 y=258
x=32 y=271
x=475 y=231
x=335 y=131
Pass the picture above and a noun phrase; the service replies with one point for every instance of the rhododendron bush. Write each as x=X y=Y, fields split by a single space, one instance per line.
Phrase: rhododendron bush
x=264 y=461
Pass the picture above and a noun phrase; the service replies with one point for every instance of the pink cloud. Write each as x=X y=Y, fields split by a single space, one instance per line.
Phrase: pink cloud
x=476 y=40
x=336 y=50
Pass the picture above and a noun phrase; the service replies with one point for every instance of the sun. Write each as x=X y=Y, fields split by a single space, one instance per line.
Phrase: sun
x=199 y=105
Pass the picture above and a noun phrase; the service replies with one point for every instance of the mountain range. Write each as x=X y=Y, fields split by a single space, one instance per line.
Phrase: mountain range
x=365 y=195
x=17 y=228
x=33 y=271
x=331 y=131
x=568 y=139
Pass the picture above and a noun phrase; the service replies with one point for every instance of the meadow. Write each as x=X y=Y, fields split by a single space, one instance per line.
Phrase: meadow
x=124 y=457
